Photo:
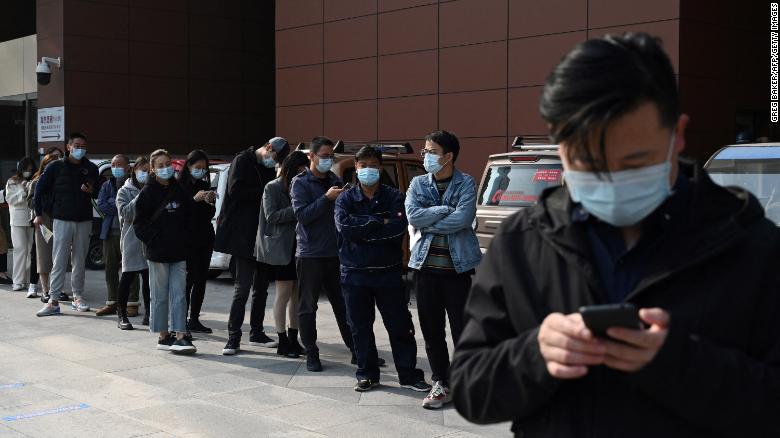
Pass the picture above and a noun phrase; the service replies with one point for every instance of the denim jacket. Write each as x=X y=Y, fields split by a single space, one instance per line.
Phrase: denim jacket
x=452 y=215
x=106 y=203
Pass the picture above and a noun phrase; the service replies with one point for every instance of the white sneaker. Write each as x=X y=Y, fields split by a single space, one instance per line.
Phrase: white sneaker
x=438 y=397
x=77 y=305
x=18 y=287
x=49 y=310
x=32 y=293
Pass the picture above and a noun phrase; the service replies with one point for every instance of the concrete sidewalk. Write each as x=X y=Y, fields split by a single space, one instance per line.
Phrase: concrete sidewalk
x=78 y=375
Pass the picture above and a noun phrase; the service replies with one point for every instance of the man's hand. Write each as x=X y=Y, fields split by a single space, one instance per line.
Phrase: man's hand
x=200 y=196
x=333 y=193
x=38 y=221
x=211 y=196
x=86 y=187
x=640 y=346
x=568 y=347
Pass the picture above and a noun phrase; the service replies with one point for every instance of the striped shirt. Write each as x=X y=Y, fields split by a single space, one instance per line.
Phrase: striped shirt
x=439 y=260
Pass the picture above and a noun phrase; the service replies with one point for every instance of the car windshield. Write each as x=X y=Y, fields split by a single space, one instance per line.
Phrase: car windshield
x=518 y=185
x=760 y=177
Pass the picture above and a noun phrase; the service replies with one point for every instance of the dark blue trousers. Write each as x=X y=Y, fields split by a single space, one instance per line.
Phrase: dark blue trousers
x=391 y=302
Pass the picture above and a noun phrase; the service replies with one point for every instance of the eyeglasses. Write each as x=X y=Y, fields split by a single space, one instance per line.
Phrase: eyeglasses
x=325 y=157
x=425 y=152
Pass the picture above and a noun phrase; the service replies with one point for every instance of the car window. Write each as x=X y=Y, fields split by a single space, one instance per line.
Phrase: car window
x=518 y=185
x=760 y=177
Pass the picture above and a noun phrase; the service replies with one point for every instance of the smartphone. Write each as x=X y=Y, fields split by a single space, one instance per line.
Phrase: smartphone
x=601 y=317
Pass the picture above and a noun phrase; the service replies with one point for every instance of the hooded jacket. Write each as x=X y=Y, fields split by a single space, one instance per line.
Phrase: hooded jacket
x=166 y=238
x=718 y=372
x=133 y=258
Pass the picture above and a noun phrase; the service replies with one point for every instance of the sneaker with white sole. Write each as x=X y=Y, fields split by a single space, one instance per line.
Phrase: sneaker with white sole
x=18 y=288
x=49 y=310
x=32 y=294
x=439 y=396
x=183 y=346
x=165 y=343
x=262 y=340
x=78 y=306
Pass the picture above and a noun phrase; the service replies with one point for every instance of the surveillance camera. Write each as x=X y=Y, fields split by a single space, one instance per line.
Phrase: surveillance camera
x=43 y=71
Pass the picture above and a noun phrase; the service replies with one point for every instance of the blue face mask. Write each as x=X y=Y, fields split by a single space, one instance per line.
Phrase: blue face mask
x=165 y=173
x=368 y=176
x=198 y=174
x=142 y=176
x=269 y=162
x=324 y=165
x=431 y=164
x=118 y=172
x=78 y=153
x=625 y=198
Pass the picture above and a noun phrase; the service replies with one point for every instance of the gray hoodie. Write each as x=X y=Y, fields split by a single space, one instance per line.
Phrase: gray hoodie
x=133 y=258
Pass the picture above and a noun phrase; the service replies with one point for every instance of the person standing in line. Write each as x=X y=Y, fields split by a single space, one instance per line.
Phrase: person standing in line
x=71 y=184
x=275 y=248
x=195 y=179
x=371 y=226
x=249 y=172
x=42 y=246
x=441 y=207
x=134 y=262
x=162 y=223
x=109 y=234
x=313 y=194
x=16 y=191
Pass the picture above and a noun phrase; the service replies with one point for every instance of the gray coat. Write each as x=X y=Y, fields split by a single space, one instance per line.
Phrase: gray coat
x=275 y=238
x=133 y=258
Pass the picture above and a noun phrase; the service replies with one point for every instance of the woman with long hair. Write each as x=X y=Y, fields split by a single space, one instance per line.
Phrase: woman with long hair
x=162 y=220
x=275 y=246
x=195 y=179
x=16 y=191
x=133 y=260
x=43 y=243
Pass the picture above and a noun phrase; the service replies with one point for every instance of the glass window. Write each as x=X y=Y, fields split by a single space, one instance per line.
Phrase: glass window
x=760 y=177
x=517 y=185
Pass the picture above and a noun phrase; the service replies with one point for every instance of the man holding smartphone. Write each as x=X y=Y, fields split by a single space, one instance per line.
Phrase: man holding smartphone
x=634 y=224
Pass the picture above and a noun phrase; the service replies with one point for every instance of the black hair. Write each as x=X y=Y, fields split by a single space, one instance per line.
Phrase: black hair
x=75 y=135
x=367 y=152
x=602 y=79
x=290 y=165
x=24 y=164
x=185 y=174
x=318 y=142
x=448 y=142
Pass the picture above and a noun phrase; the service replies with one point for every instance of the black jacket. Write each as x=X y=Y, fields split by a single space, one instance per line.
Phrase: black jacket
x=718 y=373
x=201 y=229
x=240 y=212
x=166 y=239
x=59 y=194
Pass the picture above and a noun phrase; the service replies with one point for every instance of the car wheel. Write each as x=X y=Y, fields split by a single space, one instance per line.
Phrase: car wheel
x=95 y=255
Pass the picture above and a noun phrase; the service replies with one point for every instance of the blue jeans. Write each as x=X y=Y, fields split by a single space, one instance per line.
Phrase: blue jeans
x=169 y=302
x=391 y=302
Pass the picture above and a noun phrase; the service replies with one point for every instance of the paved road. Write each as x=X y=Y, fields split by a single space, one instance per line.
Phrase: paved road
x=78 y=375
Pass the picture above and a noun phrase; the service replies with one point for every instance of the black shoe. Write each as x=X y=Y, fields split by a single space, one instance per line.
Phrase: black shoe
x=195 y=326
x=63 y=297
x=283 y=349
x=379 y=361
x=232 y=347
x=146 y=320
x=183 y=346
x=45 y=298
x=165 y=343
x=122 y=322
x=313 y=363
x=419 y=386
x=5 y=280
x=295 y=347
x=188 y=335
x=262 y=340
x=366 y=385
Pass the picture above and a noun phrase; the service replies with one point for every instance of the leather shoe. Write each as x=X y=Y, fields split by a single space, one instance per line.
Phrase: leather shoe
x=108 y=309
